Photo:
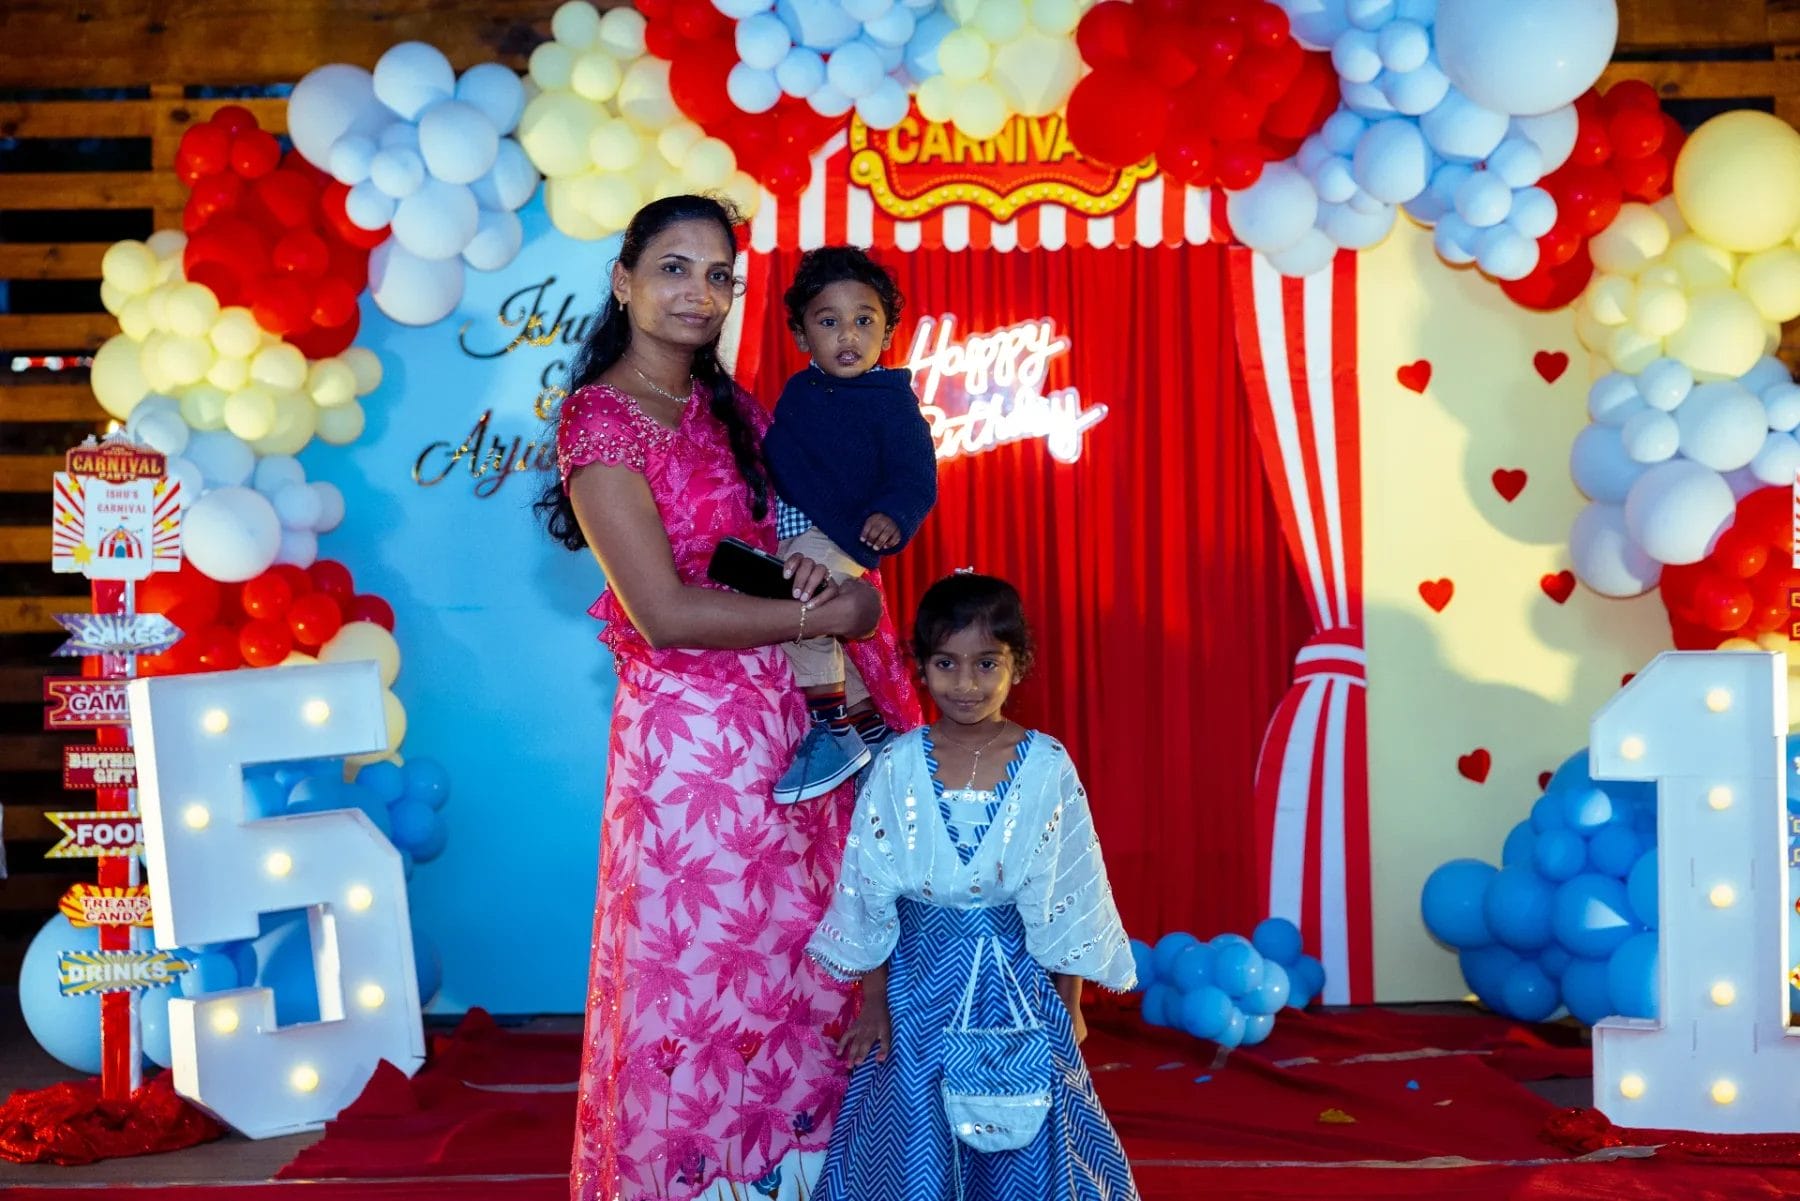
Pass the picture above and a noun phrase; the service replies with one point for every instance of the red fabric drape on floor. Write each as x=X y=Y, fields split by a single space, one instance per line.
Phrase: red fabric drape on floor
x=1165 y=603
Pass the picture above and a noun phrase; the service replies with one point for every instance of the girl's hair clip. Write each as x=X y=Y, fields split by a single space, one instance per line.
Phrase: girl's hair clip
x=963 y=571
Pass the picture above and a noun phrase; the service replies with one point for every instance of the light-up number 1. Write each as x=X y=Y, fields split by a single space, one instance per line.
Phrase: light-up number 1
x=213 y=870
x=1709 y=728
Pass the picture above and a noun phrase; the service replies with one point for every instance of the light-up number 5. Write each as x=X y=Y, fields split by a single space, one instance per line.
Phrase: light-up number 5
x=1709 y=729
x=212 y=871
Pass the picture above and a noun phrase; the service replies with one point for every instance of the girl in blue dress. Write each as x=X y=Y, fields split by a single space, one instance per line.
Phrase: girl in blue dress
x=972 y=894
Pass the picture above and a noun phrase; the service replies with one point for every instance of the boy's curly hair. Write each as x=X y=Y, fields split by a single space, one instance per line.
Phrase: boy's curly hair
x=827 y=265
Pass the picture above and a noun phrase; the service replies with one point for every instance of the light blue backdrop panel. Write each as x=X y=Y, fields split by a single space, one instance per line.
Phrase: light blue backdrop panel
x=501 y=676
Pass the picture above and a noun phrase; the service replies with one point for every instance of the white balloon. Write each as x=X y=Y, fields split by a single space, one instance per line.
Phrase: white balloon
x=1599 y=465
x=1722 y=426
x=331 y=505
x=1613 y=398
x=1553 y=133
x=751 y=90
x=737 y=10
x=223 y=459
x=1677 y=510
x=1525 y=57
x=458 y=141
x=351 y=157
x=231 y=534
x=298 y=506
x=1392 y=162
x=275 y=472
x=1665 y=383
x=298 y=547
x=329 y=103
x=1276 y=211
x=496 y=91
x=1651 y=436
x=412 y=290
x=763 y=41
x=1459 y=128
x=182 y=471
x=1604 y=556
x=1777 y=461
x=437 y=221
x=498 y=237
x=510 y=182
x=412 y=76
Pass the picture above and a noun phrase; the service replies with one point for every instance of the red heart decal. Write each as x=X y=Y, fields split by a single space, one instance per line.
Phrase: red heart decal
x=1558 y=585
x=1415 y=376
x=1543 y=780
x=1436 y=593
x=1509 y=482
x=1474 y=765
x=1627 y=678
x=1550 y=364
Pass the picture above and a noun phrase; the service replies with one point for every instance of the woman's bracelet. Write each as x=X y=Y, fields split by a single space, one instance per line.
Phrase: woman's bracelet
x=801 y=636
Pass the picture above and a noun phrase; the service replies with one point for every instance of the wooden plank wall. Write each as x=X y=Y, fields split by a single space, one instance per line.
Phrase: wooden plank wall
x=163 y=52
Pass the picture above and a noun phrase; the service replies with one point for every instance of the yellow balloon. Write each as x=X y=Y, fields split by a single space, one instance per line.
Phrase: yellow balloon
x=1659 y=310
x=113 y=298
x=229 y=373
x=280 y=366
x=552 y=66
x=296 y=418
x=1793 y=684
x=615 y=145
x=191 y=310
x=554 y=132
x=1000 y=21
x=1610 y=298
x=744 y=193
x=129 y=266
x=596 y=76
x=709 y=163
x=135 y=321
x=185 y=361
x=156 y=301
x=964 y=56
x=203 y=407
x=1036 y=72
x=622 y=32
x=613 y=199
x=250 y=412
x=396 y=719
x=1058 y=18
x=297 y=659
x=342 y=424
x=1738 y=180
x=1593 y=335
x=564 y=200
x=1771 y=279
x=1737 y=644
x=236 y=334
x=1775 y=640
x=358 y=641
x=576 y=24
x=1702 y=265
x=674 y=142
x=1636 y=236
x=1631 y=351
x=150 y=362
x=366 y=365
x=331 y=382
x=644 y=97
x=936 y=98
x=1723 y=336
x=980 y=109
x=117 y=376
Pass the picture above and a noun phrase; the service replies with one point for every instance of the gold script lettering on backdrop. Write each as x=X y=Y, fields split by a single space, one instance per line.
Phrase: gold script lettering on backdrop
x=490 y=454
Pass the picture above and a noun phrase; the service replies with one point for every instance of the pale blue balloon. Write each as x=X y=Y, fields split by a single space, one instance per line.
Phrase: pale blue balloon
x=1356 y=56
x=1204 y=1013
x=1505 y=253
x=1483 y=199
x=1614 y=398
x=801 y=72
x=1517 y=161
x=1768 y=372
x=1454 y=240
x=1310 y=255
x=1353 y=230
x=1334 y=180
x=1416 y=92
x=1257 y=1028
x=1651 y=436
x=1722 y=426
x=854 y=69
x=1781 y=403
x=922 y=47
x=1392 y=162
x=67 y=1028
x=1458 y=128
x=1665 y=383
x=820 y=24
x=1341 y=131
x=1427 y=208
x=894 y=27
x=1533 y=212
x=763 y=41
x=886 y=106
x=1600 y=467
x=1605 y=558
x=1404 y=45
x=1366 y=99
x=1452 y=903
x=1778 y=460
x=1369 y=14
x=1316 y=24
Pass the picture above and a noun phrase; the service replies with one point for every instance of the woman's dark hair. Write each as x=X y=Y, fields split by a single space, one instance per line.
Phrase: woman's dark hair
x=827 y=265
x=606 y=345
x=957 y=602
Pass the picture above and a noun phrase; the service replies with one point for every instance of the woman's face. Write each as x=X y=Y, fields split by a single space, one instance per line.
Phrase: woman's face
x=682 y=286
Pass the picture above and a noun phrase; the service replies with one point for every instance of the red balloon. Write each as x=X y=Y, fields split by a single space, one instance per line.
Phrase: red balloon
x=332 y=578
x=1117 y=117
x=1635 y=132
x=1629 y=95
x=206 y=148
x=1170 y=64
x=1269 y=27
x=1238 y=164
x=1187 y=158
x=181 y=659
x=1722 y=605
x=288 y=197
x=1217 y=48
x=185 y=597
x=1108 y=35
x=697 y=80
x=265 y=643
x=268 y=596
x=254 y=153
x=216 y=649
x=1763 y=515
x=1738 y=553
x=281 y=305
x=314 y=619
x=697 y=20
x=661 y=40
x=1590 y=196
x=234 y=119
x=369 y=607
x=1236 y=116
x=1645 y=179
x=334 y=304
x=302 y=253
x=213 y=195
x=1268 y=72
x=331 y=203
x=1302 y=109
x=787 y=174
x=298 y=581
x=1553 y=285
x=323 y=341
x=1592 y=147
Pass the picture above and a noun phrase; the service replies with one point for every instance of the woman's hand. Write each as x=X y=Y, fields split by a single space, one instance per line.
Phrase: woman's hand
x=811 y=580
x=1069 y=989
x=873 y=1030
x=852 y=610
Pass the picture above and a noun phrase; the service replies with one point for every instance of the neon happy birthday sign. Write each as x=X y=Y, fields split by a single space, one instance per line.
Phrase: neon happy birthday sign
x=988 y=389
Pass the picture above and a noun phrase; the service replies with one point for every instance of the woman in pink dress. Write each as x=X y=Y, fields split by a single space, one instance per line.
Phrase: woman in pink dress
x=707 y=1067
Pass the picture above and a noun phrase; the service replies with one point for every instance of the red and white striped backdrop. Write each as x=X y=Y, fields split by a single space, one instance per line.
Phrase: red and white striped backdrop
x=1297 y=342
x=833 y=211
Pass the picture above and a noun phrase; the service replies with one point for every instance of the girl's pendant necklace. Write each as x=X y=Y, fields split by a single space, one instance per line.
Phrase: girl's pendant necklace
x=662 y=391
x=975 y=763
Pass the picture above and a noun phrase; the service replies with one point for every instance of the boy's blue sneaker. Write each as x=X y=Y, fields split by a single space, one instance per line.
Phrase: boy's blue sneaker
x=826 y=758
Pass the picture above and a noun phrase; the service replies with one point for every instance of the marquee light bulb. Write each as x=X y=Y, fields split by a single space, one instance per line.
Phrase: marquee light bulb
x=370 y=996
x=359 y=897
x=280 y=863
x=196 y=817
x=305 y=1078
x=215 y=721
x=1632 y=748
x=1722 y=896
x=1631 y=1086
x=1718 y=700
x=1724 y=1092
x=224 y=1019
x=316 y=712
x=1723 y=993
x=1719 y=797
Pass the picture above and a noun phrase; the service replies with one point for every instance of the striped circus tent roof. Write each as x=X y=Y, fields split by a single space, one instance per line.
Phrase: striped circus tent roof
x=834 y=211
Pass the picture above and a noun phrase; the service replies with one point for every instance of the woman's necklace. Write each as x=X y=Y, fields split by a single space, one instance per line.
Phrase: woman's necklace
x=975 y=763
x=662 y=391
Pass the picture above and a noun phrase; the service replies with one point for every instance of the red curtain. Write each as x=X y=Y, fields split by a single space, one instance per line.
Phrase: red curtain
x=1165 y=604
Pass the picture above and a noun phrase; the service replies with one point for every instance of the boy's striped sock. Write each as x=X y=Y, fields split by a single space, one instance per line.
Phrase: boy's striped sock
x=828 y=710
x=873 y=729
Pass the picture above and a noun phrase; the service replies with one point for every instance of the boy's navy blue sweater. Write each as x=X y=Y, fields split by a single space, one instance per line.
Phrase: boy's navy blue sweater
x=840 y=450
